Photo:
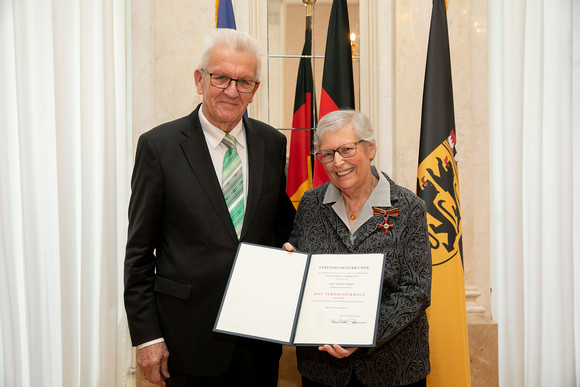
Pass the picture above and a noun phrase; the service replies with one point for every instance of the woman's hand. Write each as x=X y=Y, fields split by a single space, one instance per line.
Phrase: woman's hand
x=288 y=247
x=337 y=351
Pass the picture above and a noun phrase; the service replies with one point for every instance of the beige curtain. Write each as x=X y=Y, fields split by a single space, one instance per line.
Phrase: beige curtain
x=535 y=175
x=64 y=162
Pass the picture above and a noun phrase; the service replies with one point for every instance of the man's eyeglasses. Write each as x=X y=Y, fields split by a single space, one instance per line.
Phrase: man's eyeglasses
x=347 y=150
x=223 y=82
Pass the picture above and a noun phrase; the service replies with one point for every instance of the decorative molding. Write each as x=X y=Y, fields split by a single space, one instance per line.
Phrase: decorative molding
x=377 y=74
x=475 y=312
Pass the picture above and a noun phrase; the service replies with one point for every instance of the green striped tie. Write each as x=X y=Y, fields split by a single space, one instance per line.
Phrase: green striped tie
x=232 y=184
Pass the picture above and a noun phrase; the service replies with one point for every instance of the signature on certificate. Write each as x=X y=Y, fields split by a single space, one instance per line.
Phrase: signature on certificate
x=347 y=321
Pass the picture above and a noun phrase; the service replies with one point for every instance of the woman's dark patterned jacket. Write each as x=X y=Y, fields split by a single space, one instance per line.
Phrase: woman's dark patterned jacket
x=401 y=355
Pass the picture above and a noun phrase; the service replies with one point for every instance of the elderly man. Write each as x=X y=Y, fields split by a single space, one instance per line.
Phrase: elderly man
x=201 y=185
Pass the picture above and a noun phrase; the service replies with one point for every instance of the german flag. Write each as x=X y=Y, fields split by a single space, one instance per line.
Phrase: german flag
x=303 y=121
x=438 y=186
x=337 y=77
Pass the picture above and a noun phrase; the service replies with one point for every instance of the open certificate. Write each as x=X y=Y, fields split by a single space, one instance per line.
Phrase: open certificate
x=302 y=299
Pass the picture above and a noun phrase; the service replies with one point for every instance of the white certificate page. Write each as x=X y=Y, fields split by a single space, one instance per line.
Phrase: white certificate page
x=263 y=294
x=340 y=301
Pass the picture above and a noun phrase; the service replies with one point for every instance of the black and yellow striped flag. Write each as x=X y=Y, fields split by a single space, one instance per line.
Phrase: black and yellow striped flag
x=438 y=186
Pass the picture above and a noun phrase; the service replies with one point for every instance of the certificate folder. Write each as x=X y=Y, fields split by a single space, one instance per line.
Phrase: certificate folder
x=296 y=298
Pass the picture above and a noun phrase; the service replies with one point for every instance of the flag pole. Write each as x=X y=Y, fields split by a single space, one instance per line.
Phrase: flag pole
x=309 y=7
x=308 y=4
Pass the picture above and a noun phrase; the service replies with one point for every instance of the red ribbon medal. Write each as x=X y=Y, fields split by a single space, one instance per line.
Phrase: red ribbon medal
x=386 y=213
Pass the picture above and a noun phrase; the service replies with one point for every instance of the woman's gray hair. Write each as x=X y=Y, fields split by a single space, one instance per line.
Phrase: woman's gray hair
x=235 y=39
x=338 y=119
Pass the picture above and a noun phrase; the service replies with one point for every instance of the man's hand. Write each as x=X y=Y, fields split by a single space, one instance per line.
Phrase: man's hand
x=337 y=351
x=152 y=361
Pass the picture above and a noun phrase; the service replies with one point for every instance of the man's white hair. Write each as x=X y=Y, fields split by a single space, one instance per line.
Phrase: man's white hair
x=238 y=40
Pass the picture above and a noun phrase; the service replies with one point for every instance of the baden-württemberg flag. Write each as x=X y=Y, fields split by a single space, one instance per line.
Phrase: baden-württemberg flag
x=438 y=186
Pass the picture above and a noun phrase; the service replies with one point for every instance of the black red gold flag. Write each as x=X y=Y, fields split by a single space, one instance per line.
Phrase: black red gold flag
x=337 y=78
x=303 y=121
x=438 y=186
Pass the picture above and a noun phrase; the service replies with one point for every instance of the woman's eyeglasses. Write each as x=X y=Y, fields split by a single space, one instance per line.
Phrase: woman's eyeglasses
x=345 y=150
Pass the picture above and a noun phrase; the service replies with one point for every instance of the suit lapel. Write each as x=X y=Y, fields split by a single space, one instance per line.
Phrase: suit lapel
x=195 y=149
x=256 y=151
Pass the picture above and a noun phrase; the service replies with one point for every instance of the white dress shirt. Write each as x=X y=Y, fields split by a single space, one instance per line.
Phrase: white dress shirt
x=217 y=150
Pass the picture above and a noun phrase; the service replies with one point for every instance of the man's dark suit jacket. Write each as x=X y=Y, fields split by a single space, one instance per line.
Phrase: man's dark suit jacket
x=181 y=242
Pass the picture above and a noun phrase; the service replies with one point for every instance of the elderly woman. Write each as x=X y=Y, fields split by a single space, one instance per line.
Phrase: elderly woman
x=362 y=210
